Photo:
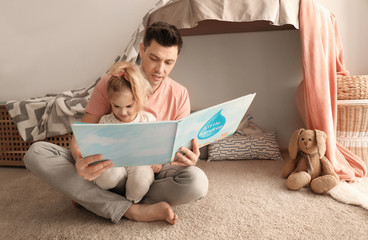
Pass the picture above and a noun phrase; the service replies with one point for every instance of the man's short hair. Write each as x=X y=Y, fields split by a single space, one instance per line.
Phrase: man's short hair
x=165 y=34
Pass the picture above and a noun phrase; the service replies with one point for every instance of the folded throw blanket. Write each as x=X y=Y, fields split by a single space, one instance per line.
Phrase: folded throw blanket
x=52 y=115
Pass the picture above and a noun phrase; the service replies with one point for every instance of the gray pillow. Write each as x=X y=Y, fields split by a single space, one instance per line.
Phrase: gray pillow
x=237 y=147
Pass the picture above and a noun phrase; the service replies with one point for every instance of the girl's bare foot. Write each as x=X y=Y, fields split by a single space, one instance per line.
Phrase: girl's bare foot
x=151 y=212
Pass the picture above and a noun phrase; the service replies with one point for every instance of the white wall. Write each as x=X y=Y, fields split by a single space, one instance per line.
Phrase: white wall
x=352 y=19
x=50 y=46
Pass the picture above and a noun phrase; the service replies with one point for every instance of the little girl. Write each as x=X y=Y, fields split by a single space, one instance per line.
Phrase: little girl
x=127 y=91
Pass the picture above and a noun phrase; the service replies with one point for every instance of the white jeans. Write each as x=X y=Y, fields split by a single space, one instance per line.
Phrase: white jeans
x=55 y=165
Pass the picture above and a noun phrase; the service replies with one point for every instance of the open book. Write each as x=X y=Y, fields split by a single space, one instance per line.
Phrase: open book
x=151 y=143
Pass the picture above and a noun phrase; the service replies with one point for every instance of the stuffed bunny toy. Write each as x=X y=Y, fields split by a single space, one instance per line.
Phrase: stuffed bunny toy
x=307 y=164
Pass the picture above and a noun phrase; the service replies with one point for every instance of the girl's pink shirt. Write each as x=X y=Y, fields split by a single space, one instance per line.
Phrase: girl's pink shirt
x=169 y=102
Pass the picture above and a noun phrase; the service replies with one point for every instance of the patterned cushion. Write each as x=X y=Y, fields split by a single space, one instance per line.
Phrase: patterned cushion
x=237 y=147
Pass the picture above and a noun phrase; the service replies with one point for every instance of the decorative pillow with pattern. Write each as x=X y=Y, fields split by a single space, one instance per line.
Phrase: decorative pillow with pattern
x=238 y=147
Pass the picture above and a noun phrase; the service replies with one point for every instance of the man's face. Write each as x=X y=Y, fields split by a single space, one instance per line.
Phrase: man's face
x=157 y=62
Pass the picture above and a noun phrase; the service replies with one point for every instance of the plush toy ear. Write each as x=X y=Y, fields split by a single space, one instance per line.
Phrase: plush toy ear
x=321 y=137
x=293 y=144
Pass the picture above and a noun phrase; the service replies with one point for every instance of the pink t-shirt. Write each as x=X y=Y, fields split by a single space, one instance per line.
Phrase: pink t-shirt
x=170 y=101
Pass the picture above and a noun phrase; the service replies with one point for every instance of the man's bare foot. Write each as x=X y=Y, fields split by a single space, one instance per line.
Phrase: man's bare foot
x=151 y=212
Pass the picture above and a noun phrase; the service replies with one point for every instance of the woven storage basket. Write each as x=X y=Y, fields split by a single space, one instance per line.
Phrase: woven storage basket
x=352 y=87
x=352 y=127
x=12 y=146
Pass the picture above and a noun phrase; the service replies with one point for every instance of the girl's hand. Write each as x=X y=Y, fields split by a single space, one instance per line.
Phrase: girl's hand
x=156 y=168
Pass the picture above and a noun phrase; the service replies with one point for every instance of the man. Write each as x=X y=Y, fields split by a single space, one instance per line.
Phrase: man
x=177 y=183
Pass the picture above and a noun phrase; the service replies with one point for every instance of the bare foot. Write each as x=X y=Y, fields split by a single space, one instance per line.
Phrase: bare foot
x=151 y=212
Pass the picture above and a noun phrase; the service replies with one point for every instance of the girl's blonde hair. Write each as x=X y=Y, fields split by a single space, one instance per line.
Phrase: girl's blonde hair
x=124 y=75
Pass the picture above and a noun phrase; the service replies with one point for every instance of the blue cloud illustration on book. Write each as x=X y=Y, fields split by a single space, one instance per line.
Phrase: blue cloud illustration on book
x=213 y=126
x=150 y=143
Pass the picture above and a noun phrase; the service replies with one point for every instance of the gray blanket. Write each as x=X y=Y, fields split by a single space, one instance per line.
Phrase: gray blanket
x=42 y=117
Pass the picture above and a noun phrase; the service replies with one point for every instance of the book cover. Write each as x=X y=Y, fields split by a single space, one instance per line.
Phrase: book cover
x=157 y=142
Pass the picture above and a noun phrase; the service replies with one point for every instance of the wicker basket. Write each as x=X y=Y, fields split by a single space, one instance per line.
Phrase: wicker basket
x=359 y=146
x=352 y=127
x=352 y=87
x=12 y=146
x=352 y=118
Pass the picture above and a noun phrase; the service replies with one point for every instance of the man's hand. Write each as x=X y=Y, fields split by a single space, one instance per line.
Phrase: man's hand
x=190 y=158
x=82 y=164
x=90 y=172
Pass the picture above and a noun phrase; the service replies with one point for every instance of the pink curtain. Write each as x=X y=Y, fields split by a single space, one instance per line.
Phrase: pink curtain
x=322 y=58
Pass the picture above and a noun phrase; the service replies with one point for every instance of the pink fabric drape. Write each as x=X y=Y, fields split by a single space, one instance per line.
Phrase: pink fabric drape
x=322 y=58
